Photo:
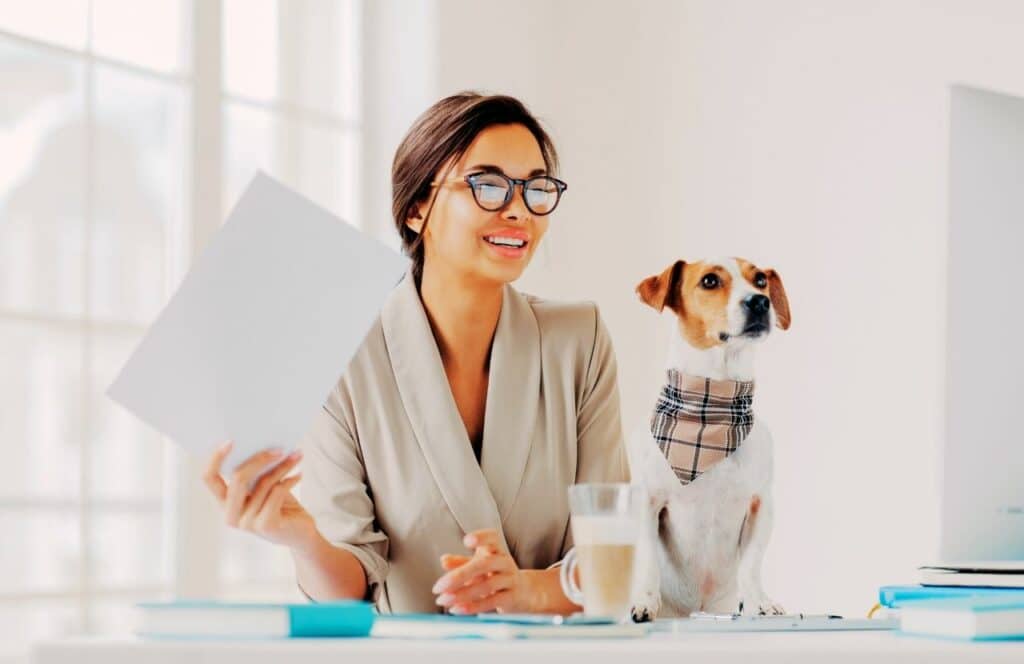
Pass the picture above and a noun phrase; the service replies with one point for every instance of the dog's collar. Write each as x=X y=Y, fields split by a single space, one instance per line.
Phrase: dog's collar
x=698 y=422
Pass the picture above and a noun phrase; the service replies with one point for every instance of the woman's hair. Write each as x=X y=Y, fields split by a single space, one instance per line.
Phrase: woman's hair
x=441 y=134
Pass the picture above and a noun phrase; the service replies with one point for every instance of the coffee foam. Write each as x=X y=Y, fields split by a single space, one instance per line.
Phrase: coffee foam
x=610 y=529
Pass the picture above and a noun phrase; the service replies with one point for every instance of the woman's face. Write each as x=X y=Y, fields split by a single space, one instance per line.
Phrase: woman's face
x=459 y=236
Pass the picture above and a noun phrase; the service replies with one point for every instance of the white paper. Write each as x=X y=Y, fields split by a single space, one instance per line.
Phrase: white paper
x=262 y=327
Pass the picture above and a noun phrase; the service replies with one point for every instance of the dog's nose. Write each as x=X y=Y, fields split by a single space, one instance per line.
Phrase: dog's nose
x=757 y=304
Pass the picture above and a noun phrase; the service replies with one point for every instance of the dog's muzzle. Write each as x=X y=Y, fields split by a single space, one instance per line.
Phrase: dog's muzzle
x=758 y=308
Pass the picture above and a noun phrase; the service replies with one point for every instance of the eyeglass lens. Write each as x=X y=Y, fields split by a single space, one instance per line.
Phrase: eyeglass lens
x=492 y=192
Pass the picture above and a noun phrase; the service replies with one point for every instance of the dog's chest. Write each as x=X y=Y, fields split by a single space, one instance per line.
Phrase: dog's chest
x=721 y=503
x=708 y=516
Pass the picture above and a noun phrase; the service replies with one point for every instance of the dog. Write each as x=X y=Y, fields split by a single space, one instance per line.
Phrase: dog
x=711 y=509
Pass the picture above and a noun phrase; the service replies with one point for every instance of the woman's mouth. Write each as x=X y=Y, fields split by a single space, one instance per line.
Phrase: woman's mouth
x=507 y=246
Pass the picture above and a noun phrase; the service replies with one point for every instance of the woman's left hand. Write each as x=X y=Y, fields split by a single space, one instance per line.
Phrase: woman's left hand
x=488 y=580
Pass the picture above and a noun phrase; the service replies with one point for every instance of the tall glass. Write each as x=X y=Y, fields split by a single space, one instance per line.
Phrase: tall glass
x=606 y=526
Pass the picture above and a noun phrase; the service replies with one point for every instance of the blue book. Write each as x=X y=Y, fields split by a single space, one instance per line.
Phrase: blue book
x=974 y=618
x=895 y=597
x=212 y=619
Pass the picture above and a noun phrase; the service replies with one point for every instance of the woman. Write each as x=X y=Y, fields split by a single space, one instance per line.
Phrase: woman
x=468 y=409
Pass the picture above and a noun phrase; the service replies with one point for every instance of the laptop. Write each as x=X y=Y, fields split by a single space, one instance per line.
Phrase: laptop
x=982 y=513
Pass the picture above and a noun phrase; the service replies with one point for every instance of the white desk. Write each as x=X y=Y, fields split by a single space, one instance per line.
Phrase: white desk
x=740 y=648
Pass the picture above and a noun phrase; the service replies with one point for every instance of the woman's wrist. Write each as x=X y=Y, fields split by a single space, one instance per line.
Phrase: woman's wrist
x=326 y=571
x=543 y=592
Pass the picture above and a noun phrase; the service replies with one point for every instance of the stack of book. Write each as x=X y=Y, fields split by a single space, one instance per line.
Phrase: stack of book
x=972 y=600
x=213 y=620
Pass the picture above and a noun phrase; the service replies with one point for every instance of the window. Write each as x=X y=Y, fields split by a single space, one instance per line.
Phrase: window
x=98 y=208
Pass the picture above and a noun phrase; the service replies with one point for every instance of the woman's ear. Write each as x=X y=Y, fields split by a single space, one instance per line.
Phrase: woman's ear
x=415 y=220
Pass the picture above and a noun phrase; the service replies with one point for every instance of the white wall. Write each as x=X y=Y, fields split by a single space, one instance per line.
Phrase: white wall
x=809 y=136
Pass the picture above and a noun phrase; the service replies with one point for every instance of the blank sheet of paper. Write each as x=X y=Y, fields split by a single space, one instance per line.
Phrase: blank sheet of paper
x=262 y=327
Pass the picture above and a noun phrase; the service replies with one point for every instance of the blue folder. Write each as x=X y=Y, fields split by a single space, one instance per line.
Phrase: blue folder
x=894 y=597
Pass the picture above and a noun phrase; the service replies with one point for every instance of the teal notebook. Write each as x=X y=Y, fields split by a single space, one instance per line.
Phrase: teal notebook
x=974 y=618
x=894 y=597
x=212 y=619
x=494 y=626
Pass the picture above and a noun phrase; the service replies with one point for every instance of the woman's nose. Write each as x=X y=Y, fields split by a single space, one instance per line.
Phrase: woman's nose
x=516 y=209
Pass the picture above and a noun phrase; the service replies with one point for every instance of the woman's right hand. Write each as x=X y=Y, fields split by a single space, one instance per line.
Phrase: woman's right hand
x=269 y=509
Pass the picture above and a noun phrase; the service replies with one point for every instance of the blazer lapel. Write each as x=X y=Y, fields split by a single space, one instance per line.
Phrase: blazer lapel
x=427 y=398
x=513 y=394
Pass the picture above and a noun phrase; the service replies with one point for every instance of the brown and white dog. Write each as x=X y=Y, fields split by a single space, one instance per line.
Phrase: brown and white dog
x=709 y=529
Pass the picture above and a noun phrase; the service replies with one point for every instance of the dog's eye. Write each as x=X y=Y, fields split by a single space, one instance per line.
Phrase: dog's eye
x=710 y=281
x=760 y=280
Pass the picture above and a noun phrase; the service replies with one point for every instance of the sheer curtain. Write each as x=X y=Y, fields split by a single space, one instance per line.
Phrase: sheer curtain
x=103 y=138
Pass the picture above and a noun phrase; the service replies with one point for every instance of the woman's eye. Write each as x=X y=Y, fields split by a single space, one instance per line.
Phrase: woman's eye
x=760 y=280
x=709 y=281
x=491 y=192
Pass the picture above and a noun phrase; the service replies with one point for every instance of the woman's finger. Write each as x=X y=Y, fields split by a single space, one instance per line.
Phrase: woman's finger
x=238 y=490
x=487 y=539
x=211 y=474
x=498 y=601
x=450 y=561
x=477 y=591
x=275 y=501
x=477 y=566
x=262 y=488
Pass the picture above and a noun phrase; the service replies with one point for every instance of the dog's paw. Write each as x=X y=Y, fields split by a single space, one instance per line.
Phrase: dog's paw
x=642 y=614
x=647 y=607
x=761 y=606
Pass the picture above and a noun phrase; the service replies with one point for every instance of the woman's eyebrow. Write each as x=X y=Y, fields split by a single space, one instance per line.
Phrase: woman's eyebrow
x=491 y=168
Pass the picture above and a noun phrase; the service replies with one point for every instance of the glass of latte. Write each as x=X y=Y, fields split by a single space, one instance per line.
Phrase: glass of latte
x=606 y=523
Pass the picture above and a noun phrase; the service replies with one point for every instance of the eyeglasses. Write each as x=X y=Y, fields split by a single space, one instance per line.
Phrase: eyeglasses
x=493 y=191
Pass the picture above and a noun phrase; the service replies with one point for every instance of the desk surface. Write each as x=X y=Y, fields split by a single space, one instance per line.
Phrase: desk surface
x=837 y=647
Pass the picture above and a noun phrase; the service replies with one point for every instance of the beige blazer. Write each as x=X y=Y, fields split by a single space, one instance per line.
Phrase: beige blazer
x=389 y=473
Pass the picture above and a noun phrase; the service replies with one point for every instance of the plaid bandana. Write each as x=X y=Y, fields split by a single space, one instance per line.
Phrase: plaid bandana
x=697 y=422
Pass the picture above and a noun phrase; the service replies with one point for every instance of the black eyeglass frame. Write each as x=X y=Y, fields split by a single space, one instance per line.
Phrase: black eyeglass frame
x=560 y=188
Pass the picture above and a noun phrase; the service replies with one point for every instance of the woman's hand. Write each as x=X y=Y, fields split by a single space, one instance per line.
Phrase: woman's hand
x=486 y=581
x=269 y=509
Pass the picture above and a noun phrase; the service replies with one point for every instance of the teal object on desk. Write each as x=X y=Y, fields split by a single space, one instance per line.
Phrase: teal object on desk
x=894 y=597
x=488 y=626
x=331 y=619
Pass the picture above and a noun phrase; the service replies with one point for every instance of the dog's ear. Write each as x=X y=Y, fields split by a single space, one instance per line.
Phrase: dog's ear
x=662 y=290
x=777 y=294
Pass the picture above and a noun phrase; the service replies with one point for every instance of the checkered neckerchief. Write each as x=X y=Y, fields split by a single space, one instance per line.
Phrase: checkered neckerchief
x=697 y=422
